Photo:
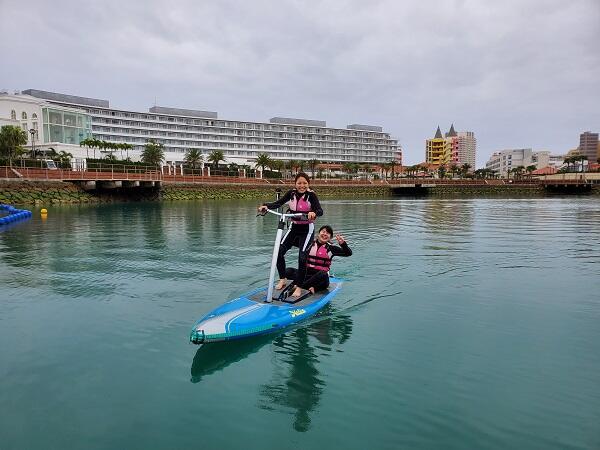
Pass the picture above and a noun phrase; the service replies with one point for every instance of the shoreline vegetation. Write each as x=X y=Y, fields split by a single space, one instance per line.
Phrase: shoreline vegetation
x=22 y=192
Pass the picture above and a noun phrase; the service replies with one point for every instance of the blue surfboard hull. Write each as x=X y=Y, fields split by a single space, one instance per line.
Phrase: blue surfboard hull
x=249 y=315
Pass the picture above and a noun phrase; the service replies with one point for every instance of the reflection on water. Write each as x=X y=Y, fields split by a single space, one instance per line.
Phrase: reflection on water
x=296 y=384
x=212 y=358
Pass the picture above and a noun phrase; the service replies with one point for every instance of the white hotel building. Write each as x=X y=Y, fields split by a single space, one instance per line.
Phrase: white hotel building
x=501 y=161
x=69 y=119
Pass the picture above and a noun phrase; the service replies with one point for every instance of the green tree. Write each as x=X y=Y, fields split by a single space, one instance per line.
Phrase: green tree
x=215 y=157
x=12 y=140
x=518 y=171
x=153 y=153
x=393 y=164
x=347 y=167
x=313 y=166
x=277 y=164
x=465 y=169
x=92 y=142
x=453 y=169
x=233 y=169
x=582 y=159
x=441 y=171
x=123 y=146
x=65 y=159
x=193 y=157
x=568 y=161
x=292 y=163
x=529 y=169
x=263 y=160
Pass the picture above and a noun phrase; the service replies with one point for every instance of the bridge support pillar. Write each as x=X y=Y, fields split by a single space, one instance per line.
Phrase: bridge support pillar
x=88 y=185
x=110 y=184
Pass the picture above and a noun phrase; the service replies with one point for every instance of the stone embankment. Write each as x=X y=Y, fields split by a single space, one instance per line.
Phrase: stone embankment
x=58 y=192
x=262 y=192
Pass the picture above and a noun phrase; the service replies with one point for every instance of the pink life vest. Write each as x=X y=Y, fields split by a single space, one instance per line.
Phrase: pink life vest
x=319 y=257
x=301 y=205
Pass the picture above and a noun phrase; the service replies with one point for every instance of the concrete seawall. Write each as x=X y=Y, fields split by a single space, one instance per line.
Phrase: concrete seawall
x=57 y=192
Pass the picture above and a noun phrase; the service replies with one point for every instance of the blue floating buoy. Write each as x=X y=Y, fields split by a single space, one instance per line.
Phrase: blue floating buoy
x=14 y=214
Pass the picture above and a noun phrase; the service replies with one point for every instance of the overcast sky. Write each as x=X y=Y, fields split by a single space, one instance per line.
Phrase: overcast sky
x=519 y=73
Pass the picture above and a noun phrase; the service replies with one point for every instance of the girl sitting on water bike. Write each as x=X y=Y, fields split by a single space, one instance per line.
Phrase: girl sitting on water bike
x=314 y=276
x=301 y=232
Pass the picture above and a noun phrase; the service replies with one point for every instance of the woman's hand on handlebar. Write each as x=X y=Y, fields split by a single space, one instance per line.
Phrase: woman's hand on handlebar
x=262 y=209
x=311 y=216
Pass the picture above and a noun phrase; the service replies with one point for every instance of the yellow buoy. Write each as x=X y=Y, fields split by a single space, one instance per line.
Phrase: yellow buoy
x=44 y=212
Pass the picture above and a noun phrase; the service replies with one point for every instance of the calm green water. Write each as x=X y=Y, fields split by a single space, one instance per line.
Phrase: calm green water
x=465 y=324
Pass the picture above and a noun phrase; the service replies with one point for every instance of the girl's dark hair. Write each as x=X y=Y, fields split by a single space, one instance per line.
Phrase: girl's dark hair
x=327 y=228
x=302 y=175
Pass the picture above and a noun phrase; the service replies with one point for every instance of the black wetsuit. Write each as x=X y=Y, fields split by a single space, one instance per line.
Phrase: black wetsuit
x=299 y=235
x=315 y=278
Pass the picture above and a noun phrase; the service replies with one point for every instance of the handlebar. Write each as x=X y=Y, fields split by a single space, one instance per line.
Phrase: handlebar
x=283 y=216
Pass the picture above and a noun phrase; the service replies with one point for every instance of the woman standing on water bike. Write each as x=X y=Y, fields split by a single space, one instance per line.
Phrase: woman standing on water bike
x=301 y=232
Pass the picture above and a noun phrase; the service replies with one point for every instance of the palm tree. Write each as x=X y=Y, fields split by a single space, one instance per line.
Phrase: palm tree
x=277 y=164
x=193 y=157
x=465 y=169
x=12 y=139
x=65 y=158
x=518 y=171
x=123 y=146
x=233 y=167
x=153 y=153
x=530 y=169
x=392 y=164
x=441 y=171
x=92 y=142
x=347 y=167
x=292 y=163
x=263 y=160
x=583 y=159
x=127 y=147
x=215 y=157
x=453 y=169
x=313 y=165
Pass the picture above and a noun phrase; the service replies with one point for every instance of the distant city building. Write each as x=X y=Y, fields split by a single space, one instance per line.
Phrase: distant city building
x=588 y=145
x=452 y=148
x=68 y=119
x=467 y=148
x=436 y=149
x=556 y=161
x=503 y=160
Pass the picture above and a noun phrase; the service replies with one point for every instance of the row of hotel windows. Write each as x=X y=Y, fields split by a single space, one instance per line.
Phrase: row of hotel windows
x=13 y=115
x=267 y=146
x=142 y=125
x=257 y=146
x=241 y=125
x=320 y=143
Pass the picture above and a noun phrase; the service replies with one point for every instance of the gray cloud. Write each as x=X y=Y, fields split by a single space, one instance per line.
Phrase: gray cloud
x=518 y=73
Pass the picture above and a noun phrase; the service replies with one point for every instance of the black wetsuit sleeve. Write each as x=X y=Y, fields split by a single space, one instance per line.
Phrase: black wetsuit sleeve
x=277 y=204
x=342 y=250
x=316 y=205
